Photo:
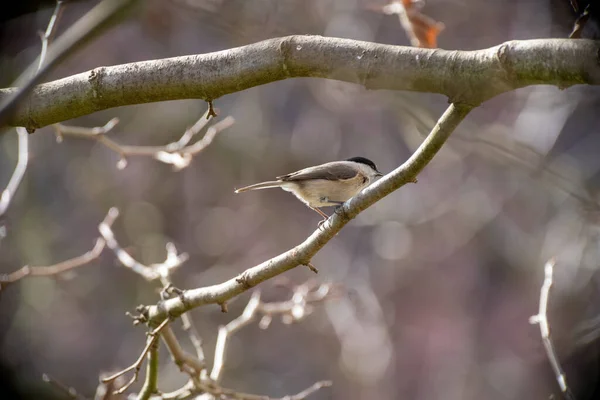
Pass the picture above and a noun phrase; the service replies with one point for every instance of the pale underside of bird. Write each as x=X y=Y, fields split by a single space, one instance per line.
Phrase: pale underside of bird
x=325 y=185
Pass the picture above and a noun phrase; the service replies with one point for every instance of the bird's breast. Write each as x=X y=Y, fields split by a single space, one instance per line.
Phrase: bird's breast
x=324 y=193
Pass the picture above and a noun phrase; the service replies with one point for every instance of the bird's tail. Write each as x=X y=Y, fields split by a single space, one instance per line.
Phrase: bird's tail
x=262 y=185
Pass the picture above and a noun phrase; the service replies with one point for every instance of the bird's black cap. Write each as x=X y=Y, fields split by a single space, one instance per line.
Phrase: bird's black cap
x=365 y=161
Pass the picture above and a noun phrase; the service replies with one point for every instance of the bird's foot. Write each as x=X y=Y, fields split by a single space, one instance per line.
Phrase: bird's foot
x=321 y=222
x=339 y=210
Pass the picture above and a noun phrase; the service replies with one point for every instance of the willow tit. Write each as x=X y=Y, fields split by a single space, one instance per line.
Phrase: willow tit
x=325 y=185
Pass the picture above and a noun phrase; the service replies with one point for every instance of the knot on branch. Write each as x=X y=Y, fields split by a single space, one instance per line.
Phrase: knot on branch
x=243 y=280
x=142 y=316
x=504 y=62
x=95 y=80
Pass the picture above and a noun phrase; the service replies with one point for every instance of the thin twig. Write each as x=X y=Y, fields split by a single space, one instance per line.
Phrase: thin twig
x=308 y=391
x=54 y=269
x=542 y=320
x=185 y=361
x=149 y=272
x=224 y=332
x=19 y=172
x=60 y=267
x=150 y=342
x=106 y=391
x=179 y=153
x=293 y=310
x=304 y=252
x=184 y=392
x=22 y=134
x=580 y=23
x=151 y=380
x=69 y=391
x=190 y=328
x=220 y=392
x=47 y=36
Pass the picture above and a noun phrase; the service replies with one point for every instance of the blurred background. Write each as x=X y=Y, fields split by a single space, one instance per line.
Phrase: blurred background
x=440 y=277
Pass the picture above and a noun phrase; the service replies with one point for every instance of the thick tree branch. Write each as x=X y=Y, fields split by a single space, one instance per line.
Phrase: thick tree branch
x=302 y=254
x=467 y=77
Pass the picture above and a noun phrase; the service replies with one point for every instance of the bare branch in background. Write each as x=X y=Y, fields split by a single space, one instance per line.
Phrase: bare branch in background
x=542 y=320
x=185 y=361
x=19 y=172
x=60 y=267
x=54 y=269
x=223 y=393
x=468 y=77
x=304 y=252
x=293 y=310
x=86 y=28
x=47 y=36
x=148 y=272
x=137 y=365
x=106 y=391
x=22 y=134
x=580 y=22
x=151 y=380
x=68 y=391
x=190 y=328
x=179 y=153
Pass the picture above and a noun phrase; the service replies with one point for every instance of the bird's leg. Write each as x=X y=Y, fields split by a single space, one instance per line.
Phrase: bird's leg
x=322 y=214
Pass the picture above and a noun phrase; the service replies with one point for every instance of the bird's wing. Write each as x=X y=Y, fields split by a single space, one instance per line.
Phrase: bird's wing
x=331 y=171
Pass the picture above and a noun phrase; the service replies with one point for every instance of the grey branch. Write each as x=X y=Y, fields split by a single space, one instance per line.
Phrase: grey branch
x=467 y=77
x=303 y=253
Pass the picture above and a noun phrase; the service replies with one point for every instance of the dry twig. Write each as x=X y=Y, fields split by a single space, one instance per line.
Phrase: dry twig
x=216 y=391
x=185 y=361
x=69 y=391
x=179 y=154
x=60 y=267
x=22 y=134
x=542 y=320
x=137 y=365
x=149 y=387
x=149 y=272
x=46 y=37
x=293 y=310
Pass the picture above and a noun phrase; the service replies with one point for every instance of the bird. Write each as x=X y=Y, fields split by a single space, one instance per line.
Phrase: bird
x=325 y=185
